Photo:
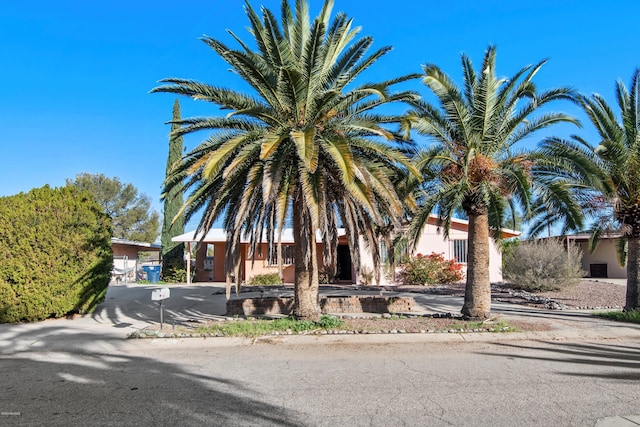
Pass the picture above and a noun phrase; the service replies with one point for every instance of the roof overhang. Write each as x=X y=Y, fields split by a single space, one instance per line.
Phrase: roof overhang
x=142 y=245
x=506 y=233
x=218 y=235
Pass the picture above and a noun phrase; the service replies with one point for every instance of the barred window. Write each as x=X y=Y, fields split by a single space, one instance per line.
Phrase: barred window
x=287 y=255
x=460 y=250
x=384 y=254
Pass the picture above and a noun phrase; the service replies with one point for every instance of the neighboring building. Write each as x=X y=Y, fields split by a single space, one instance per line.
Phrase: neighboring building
x=603 y=262
x=129 y=256
x=210 y=254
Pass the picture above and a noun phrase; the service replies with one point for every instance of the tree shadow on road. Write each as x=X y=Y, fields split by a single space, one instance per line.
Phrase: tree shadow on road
x=602 y=360
x=124 y=305
x=74 y=386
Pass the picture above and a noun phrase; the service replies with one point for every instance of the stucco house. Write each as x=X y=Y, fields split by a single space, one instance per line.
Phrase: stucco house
x=210 y=254
x=601 y=263
x=127 y=258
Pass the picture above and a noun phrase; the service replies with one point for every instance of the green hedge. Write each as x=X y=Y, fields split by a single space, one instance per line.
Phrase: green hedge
x=265 y=279
x=55 y=247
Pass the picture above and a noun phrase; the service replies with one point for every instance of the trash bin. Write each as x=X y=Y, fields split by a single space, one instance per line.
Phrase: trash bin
x=153 y=273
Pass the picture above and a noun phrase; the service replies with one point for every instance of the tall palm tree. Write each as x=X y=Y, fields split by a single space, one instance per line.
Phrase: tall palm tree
x=608 y=174
x=303 y=145
x=473 y=163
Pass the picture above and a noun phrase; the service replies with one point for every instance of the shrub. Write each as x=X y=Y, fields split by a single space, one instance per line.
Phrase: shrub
x=621 y=316
x=430 y=270
x=366 y=275
x=543 y=266
x=55 y=246
x=175 y=276
x=507 y=246
x=265 y=279
x=329 y=322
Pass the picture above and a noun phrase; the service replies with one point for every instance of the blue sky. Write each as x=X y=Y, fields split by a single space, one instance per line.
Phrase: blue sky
x=75 y=75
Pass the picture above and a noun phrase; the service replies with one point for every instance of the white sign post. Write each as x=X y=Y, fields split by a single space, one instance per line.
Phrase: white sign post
x=160 y=295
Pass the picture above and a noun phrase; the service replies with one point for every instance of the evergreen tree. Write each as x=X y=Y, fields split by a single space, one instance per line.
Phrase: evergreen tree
x=130 y=211
x=173 y=225
x=55 y=246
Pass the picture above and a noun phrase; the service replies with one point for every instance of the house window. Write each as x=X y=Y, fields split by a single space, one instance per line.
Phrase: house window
x=460 y=250
x=384 y=255
x=287 y=255
x=208 y=260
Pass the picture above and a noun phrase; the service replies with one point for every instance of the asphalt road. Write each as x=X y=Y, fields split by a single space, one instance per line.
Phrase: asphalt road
x=198 y=382
x=83 y=372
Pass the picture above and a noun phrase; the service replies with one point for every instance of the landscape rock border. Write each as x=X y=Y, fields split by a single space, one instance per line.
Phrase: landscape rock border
x=151 y=332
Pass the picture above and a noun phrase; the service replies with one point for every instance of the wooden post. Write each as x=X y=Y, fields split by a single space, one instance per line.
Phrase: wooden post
x=188 y=263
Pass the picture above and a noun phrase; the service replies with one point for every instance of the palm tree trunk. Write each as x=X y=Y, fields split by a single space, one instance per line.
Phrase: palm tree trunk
x=633 y=281
x=477 y=296
x=306 y=288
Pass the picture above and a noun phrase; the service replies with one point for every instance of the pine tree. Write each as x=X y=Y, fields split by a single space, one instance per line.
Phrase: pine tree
x=129 y=210
x=172 y=253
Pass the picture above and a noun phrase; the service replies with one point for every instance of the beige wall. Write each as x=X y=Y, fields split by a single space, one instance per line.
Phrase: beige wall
x=605 y=253
x=125 y=250
x=432 y=240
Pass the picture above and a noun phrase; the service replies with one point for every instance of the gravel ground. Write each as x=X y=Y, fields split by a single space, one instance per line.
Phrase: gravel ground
x=590 y=294
x=587 y=294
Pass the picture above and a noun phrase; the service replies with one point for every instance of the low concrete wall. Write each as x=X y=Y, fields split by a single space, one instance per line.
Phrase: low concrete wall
x=333 y=305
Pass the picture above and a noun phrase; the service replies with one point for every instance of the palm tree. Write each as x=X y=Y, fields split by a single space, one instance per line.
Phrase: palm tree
x=608 y=175
x=474 y=163
x=304 y=146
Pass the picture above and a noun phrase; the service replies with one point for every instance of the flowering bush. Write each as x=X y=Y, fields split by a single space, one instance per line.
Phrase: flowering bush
x=430 y=270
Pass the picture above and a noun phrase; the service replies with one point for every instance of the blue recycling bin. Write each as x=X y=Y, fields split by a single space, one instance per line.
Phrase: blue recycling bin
x=153 y=273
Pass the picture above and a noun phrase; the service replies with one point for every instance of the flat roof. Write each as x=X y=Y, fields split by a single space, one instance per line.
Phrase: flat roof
x=220 y=235
x=151 y=246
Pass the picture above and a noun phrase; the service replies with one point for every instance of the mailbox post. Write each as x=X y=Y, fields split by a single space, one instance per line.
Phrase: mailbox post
x=160 y=295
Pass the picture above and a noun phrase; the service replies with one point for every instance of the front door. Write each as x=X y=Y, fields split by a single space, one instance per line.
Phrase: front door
x=344 y=263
